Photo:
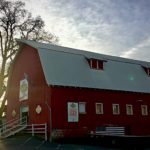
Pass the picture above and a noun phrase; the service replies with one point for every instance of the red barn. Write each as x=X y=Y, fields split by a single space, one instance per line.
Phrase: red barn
x=76 y=91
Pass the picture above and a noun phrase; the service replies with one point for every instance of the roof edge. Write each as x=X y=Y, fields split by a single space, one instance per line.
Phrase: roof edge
x=86 y=54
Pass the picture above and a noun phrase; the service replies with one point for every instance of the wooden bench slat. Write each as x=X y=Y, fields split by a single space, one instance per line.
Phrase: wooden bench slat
x=111 y=131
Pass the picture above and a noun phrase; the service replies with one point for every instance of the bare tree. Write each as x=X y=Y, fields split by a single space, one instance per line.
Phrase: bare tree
x=16 y=22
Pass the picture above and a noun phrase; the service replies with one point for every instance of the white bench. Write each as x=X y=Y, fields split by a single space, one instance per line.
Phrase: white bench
x=114 y=131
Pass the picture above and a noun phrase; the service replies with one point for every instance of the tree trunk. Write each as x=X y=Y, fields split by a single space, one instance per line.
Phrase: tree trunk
x=2 y=107
x=2 y=77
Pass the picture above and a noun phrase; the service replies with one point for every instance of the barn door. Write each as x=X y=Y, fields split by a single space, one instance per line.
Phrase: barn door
x=24 y=112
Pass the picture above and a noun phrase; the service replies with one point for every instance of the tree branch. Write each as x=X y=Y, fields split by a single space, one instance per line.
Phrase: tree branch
x=15 y=21
x=1 y=44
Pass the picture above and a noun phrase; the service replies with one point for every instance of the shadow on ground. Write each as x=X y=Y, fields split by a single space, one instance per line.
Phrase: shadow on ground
x=26 y=142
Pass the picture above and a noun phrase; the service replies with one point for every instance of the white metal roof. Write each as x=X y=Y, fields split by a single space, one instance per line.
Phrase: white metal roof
x=68 y=67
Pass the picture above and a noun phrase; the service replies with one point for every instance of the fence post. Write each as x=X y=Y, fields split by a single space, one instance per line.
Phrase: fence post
x=32 y=129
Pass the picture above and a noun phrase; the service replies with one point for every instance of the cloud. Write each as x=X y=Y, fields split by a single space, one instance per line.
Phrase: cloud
x=140 y=51
x=104 y=26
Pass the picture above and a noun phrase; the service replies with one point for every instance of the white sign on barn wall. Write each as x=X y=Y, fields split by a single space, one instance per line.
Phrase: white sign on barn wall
x=73 y=115
x=23 y=94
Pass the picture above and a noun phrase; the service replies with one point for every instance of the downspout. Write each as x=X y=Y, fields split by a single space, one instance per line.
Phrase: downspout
x=50 y=120
x=50 y=115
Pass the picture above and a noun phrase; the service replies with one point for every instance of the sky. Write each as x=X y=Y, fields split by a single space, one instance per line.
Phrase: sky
x=113 y=27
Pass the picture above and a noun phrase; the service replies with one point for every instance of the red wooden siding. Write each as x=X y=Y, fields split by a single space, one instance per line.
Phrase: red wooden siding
x=137 y=123
x=28 y=62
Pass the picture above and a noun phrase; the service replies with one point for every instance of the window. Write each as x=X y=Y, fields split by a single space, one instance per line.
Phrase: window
x=147 y=70
x=129 y=109
x=82 y=107
x=96 y=64
x=144 y=110
x=93 y=63
x=116 y=109
x=99 y=108
x=100 y=64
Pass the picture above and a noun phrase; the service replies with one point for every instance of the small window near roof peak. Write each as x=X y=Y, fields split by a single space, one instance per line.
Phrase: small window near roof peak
x=96 y=64
x=147 y=70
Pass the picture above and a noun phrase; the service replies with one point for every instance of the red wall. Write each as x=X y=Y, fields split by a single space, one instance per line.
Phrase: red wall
x=28 y=62
x=138 y=124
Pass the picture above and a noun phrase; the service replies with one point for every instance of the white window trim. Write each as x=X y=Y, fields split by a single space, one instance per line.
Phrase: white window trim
x=91 y=63
x=113 y=105
x=127 y=109
x=102 y=112
x=146 y=110
x=85 y=108
x=148 y=72
x=97 y=65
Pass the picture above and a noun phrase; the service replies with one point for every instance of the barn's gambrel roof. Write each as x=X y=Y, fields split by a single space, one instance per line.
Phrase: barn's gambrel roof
x=69 y=67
